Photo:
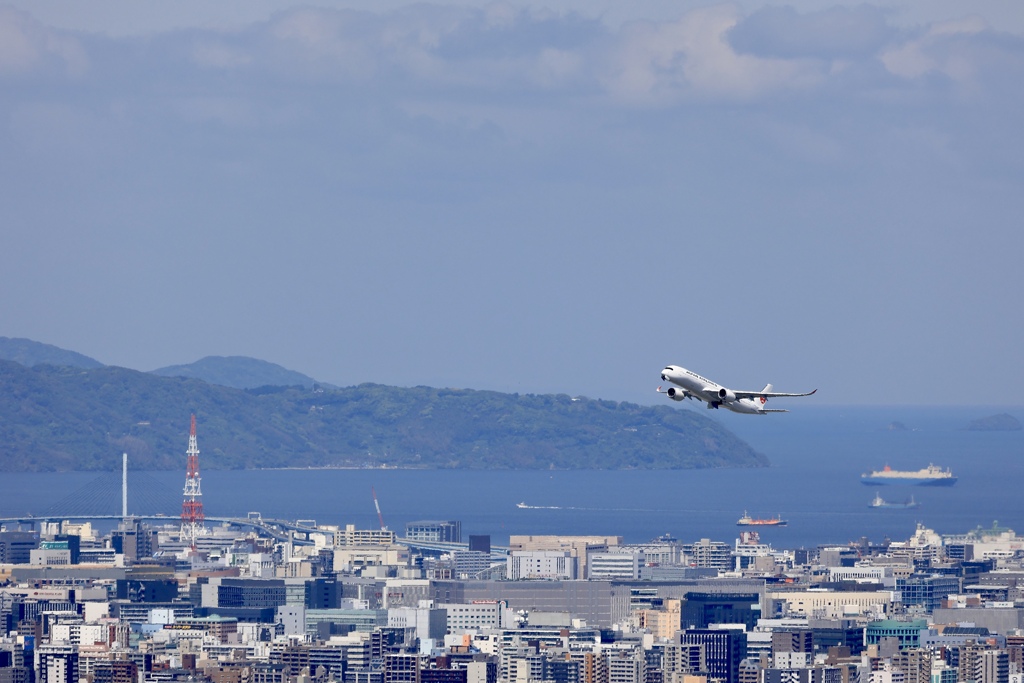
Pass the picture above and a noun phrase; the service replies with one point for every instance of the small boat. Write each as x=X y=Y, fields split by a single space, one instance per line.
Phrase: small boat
x=879 y=502
x=747 y=520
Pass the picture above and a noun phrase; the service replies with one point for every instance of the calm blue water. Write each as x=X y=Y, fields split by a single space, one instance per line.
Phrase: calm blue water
x=817 y=454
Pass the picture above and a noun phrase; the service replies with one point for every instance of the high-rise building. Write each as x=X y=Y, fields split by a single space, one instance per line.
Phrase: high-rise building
x=928 y=591
x=480 y=544
x=724 y=649
x=626 y=667
x=540 y=564
x=16 y=546
x=56 y=664
x=915 y=663
x=700 y=610
x=792 y=640
x=403 y=668
x=995 y=667
x=708 y=554
x=434 y=531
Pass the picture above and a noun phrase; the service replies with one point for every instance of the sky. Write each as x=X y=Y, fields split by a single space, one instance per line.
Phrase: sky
x=531 y=197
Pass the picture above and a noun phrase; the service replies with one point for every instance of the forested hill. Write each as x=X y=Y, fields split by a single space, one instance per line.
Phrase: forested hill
x=71 y=418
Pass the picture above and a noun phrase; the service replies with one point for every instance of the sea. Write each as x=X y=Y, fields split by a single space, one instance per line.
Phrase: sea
x=817 y=457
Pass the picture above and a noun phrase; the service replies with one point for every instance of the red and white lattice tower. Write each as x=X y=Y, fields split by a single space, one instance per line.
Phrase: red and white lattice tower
x=192 y=519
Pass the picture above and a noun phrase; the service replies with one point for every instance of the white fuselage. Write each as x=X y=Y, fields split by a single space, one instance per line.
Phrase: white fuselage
x=692 y=385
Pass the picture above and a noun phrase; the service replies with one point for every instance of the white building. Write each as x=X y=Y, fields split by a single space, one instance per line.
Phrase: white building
x=473 y=617
x=540 y=564
x=624 y=564
x=863 y=574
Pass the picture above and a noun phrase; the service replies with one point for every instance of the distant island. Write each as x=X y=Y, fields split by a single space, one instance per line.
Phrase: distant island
x=74 y=417
x=995 y=423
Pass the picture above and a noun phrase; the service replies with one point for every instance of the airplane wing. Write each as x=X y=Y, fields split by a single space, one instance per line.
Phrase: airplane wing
x=768 y=394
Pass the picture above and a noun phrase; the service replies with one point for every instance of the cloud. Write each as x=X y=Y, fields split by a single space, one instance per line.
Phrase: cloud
x=218 y=55
x=504 y=54
x=967 y=52
x=835 y=33
x=659 y=63
x=27 y=46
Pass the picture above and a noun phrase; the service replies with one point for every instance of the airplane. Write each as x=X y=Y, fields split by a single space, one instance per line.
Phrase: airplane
x=692 y=386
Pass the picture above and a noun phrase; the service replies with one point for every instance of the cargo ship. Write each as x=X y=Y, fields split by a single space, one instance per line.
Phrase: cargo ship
x=879 y=502
x=929 y=476
x=747 y=520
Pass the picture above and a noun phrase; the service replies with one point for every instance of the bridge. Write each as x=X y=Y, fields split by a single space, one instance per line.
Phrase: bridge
x=298 y=532
x=151 y=497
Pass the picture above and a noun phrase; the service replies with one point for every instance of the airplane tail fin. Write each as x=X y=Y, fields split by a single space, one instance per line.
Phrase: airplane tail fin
x=767 y=388
x=763 y=399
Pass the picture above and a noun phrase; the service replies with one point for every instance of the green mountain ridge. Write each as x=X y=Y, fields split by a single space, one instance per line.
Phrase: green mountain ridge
x=71 y=418
x=239 y=372
x=31 y=353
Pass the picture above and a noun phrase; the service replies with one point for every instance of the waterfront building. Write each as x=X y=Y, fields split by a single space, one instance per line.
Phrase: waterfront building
x=579 y=547
x=16 y=546
x=350 y=536
x=434 y=531
x=998 y=543
x=924 y=546
x=354 y=558
x=470 y=564
x=708 y=554
x=51 y=554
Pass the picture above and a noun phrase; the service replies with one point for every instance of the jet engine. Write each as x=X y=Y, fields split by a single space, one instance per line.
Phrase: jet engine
x=676 y=394
x=726 y=396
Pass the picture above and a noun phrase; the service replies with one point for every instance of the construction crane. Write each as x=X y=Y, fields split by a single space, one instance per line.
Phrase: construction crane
x=380 y=517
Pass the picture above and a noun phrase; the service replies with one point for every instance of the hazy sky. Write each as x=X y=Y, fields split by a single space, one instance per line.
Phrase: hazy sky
x=532 y=197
